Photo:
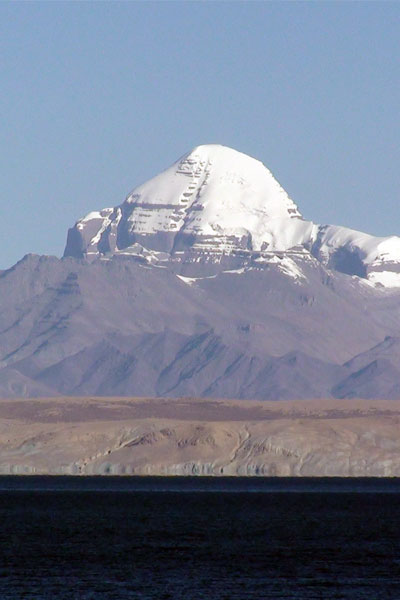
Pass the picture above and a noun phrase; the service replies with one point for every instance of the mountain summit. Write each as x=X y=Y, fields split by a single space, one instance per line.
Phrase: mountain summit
x=218 y=209
x=213 y=198
x=205 y=282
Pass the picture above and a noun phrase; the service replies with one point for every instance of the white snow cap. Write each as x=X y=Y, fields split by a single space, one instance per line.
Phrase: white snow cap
x=210 y=190
x=223 y=200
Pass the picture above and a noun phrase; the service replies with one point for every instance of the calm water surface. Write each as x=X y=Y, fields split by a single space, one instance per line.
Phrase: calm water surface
x=172 y=538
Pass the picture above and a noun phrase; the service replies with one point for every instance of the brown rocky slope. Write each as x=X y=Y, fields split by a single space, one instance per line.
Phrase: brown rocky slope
x=85 y=436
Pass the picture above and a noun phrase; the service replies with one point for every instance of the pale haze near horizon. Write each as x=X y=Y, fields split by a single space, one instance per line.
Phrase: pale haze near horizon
x=98 y=97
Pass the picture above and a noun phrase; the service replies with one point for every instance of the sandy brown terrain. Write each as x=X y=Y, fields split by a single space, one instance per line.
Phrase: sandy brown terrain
x=199 y=437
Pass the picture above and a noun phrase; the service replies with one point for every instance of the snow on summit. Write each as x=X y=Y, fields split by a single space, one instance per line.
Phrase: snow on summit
x=217 y=206
x=210 y=189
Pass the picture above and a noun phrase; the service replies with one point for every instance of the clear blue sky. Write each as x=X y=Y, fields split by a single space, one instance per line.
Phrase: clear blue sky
x=98 y=97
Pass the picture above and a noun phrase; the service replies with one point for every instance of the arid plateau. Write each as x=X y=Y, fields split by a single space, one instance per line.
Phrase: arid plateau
x=140 y=436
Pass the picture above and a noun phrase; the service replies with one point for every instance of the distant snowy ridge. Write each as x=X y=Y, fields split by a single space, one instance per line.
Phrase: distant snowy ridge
x=218 y=209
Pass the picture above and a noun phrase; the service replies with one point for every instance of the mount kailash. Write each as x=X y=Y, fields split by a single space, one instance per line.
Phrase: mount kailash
x=205 y=281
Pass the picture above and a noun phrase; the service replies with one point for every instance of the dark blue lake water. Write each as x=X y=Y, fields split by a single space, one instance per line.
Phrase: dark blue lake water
x=169 y=538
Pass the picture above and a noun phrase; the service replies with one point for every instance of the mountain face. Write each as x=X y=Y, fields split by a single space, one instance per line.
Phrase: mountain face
x=216 y=209
x=206 y=281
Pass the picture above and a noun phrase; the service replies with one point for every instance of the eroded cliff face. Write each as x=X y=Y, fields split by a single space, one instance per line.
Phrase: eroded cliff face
x=192 y=437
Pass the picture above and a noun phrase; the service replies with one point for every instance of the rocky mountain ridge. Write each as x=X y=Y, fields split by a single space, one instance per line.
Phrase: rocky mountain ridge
x=205 y=282
x=217 y=209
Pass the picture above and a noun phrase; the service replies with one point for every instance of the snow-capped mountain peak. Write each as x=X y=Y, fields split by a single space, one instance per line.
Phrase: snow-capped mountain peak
x=217 y=208
x=212 y=188
x=211 y=192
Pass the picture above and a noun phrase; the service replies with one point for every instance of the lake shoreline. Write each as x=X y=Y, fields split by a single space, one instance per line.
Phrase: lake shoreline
x=198 y=437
